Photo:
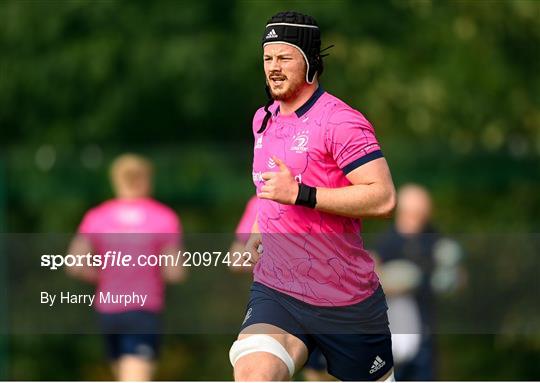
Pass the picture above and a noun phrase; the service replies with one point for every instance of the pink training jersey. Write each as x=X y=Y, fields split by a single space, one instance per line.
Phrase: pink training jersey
x=134 y=227
x=313 y=256
x=243 y=230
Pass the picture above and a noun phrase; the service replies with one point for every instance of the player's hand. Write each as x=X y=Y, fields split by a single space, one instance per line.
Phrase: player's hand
x=279 y=186
x=254 y=248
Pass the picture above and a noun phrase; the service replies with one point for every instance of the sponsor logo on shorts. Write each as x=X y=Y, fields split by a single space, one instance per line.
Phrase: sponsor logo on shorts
x=378 y=363
x=248 y=315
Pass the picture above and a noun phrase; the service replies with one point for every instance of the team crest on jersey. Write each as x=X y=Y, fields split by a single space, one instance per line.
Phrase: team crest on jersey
x=271 y=163
x=258 y=144
x=300 y=141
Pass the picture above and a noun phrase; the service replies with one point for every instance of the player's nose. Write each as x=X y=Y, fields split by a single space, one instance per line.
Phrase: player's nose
x=273 y=65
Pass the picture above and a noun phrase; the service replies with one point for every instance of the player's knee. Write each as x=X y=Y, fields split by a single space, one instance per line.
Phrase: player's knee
x=260 y=367
x=260 y=357
x=134 y=368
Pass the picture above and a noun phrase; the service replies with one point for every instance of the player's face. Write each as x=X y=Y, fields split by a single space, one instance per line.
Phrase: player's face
x=413 y=212
x=285 y=70
x=134 y=184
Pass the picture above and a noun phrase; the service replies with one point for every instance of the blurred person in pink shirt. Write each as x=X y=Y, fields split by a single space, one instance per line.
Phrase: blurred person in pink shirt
x=131 y=223
x=243 y=229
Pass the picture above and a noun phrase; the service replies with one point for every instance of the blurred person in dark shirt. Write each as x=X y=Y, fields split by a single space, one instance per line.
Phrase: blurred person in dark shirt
x=415 y=263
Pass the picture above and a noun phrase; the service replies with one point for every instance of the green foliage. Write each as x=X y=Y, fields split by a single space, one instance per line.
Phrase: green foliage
x=452 y=88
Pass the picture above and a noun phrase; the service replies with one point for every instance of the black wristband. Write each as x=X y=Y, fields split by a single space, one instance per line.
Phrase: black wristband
x=307 y=196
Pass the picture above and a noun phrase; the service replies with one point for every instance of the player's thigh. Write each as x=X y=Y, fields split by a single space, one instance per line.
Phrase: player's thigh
x=264 y=352
x=295 y=347
x=271 y=338
x=134 y=368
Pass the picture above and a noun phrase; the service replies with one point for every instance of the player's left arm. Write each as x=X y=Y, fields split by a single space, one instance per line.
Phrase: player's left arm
x=350 y=140
x=372 y=193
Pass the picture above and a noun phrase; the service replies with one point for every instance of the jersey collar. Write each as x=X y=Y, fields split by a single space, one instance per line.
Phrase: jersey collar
x=308 y=104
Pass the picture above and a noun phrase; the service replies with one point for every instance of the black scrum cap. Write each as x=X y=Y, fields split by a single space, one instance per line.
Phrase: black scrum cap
x=300 y=31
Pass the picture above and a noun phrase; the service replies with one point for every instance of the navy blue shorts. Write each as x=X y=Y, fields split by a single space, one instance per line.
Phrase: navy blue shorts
x=316 y=361
x=355 y=339
x=131 y=333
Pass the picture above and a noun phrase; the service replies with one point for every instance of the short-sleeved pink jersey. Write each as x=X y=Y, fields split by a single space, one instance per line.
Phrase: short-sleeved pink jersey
x=243 y=230
x=314 y=256
x=134 y=227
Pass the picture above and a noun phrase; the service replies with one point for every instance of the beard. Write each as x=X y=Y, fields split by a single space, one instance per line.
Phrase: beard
x=288 y=89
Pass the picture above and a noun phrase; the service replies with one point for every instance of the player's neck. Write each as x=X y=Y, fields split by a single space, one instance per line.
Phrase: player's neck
x=406 y=228
x=131 y=196
x=291 y=106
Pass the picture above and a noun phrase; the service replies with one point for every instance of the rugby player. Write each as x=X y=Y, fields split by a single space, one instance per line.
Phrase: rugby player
x=318 y=170
x=134 y=223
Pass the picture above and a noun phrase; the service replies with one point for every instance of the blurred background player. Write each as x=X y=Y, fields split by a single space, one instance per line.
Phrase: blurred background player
x=135 y=224
x=243 y=229
x=415 y=262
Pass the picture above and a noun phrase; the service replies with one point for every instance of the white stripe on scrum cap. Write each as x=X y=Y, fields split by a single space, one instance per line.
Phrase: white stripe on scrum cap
x=301 y=51
x=293 y=25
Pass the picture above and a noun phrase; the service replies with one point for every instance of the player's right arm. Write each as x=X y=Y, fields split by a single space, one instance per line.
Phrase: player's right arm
x=82 y=245
x=172 y=273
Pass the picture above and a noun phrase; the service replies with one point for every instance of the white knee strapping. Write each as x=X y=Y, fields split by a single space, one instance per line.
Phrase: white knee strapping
x=390 y=378
x=260 y=343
